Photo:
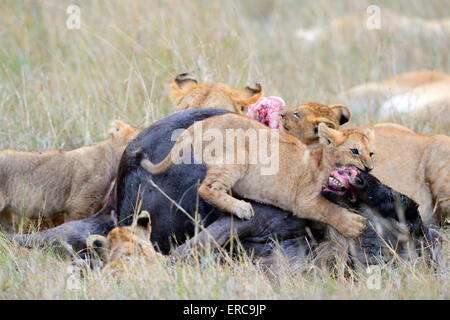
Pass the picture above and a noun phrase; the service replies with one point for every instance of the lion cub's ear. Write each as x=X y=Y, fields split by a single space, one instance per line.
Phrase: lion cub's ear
x=180 y=86
x=143 y=223
x=251 y=91
x=328 y=136
x=370 y=134
x=122 y=130
x=343 y=113
x=116 y=126
x=242 y=99
x=185 y=81
x=97 y=244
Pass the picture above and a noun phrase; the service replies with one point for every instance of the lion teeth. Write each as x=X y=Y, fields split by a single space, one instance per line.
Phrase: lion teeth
x=335 y=181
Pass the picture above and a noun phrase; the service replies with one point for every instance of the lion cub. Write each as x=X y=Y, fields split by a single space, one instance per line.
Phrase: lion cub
x=294 y=187
x=303 y=121
x=125 y=247
x=187 y=93
x=412 y=163
x=45 y=184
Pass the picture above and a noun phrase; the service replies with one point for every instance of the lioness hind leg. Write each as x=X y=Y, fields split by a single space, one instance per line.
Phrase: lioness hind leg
x=214 y=190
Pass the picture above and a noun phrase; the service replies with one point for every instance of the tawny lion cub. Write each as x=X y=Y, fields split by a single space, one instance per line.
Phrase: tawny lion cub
x=43 y=184
x=412 y=163
x=296 y=185
x=125 y=247
x=187 y=93
x=303 y=121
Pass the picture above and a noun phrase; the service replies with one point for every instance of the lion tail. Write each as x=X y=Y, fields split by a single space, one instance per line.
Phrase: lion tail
x=167 y=162
x=158 y=168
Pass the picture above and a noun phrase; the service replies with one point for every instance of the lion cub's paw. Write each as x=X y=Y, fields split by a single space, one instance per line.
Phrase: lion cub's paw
x=352 y=225
x=243 y=210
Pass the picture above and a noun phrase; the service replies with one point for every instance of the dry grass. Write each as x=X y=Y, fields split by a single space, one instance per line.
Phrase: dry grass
x=60 y=88
x=32 y=274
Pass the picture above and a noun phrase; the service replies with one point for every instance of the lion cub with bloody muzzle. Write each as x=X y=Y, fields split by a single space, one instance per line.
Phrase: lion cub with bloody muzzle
x=46 y=184
x=295 y=183
x=412 y=163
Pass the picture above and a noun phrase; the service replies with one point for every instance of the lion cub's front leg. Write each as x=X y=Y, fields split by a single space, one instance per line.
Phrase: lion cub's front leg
x=349 y=224
x=214 y=190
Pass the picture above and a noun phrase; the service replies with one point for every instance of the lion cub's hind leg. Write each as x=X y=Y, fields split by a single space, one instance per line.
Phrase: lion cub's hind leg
x=215 y=187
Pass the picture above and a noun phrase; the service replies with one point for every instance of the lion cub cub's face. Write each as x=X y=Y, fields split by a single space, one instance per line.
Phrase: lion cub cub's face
x=347 y=147
x=125 y=247
x=122 y=132
x=186 y=92
x=303 y=121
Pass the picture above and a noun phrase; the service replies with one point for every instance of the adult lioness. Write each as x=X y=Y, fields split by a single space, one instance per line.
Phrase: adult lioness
x=294 y=187
x=187 y=93
x=423 y=95
x=44 y=184
x=412 y=163
x=355 y=25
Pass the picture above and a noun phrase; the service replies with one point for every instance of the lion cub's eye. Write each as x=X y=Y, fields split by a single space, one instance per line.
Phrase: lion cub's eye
x=297 y=115
x=371 y=154
x=354 y=151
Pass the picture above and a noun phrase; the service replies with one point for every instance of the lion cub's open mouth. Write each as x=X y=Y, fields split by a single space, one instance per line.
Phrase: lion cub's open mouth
x=340 y=182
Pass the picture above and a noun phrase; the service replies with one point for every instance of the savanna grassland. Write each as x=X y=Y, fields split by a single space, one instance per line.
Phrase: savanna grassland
x=60 y=89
